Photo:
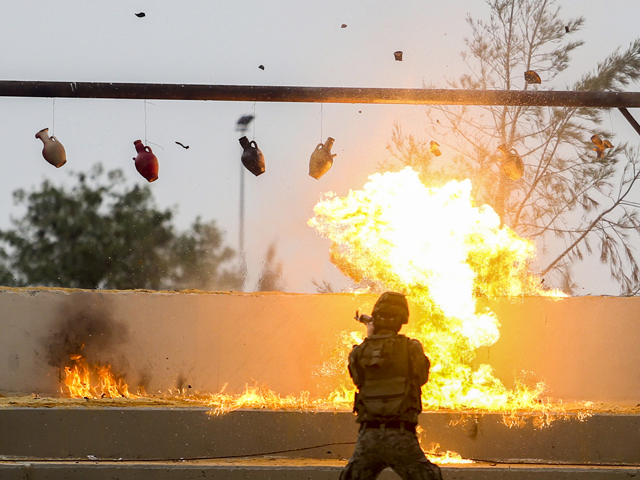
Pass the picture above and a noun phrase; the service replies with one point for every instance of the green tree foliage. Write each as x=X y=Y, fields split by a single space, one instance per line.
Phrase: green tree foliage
x=567 y=192
x=101 y=233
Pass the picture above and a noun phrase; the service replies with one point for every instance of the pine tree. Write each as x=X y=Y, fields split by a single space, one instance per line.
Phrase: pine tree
x=569 y=190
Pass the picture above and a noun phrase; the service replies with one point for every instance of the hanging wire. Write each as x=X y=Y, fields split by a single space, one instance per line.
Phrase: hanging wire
x=151 y=143
x=146 y=142
x=145 y=121
x=610 y=121
x=321 y=120
x=53 y=116
x=254 y=121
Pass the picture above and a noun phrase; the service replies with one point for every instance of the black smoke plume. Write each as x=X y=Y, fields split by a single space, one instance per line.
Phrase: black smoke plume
x=85 y=326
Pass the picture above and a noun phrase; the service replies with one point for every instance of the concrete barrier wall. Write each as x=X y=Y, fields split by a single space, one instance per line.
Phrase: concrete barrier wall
x=584 y=348
x=132 y=433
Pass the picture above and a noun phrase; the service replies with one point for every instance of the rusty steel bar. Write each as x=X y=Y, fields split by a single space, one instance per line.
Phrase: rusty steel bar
x=630 y=119
x=255 y=93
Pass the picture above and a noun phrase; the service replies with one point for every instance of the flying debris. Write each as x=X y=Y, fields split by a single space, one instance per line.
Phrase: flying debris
x=567 y=29
x=601 y=145
x=261 y=67
x=344 y=25
x=398 y=55
x=141 y=14
x=511 y=165
x=532 y=77
x=243 y=123
x=186 y=147
x=433 y=148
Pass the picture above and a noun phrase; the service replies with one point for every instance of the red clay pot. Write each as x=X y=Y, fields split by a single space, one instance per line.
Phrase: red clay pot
x=146 y=162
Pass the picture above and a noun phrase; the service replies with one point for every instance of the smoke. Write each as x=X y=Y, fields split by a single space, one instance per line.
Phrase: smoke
x=85 y=326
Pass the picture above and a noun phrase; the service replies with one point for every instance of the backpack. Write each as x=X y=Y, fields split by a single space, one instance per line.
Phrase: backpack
x=387 y=371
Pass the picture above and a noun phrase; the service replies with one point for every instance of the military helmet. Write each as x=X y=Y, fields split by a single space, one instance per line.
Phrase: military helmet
x=392 y=305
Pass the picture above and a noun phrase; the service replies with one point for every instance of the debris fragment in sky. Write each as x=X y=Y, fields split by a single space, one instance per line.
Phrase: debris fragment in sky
x=398 y=55
x=434 y=148
x=186 y=147
x=601 y=145
x=532 y=77
x=243 y=123
x=261 y=67
x=141 y=14
x=344 y=25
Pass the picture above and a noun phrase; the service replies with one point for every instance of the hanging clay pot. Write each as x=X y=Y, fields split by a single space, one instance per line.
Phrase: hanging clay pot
x=252 y=157
x=512 y=165
x=321 y=159
x=146 y=162
x=53 y=151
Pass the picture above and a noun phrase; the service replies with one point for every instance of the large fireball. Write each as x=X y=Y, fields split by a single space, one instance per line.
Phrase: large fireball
x=443 y=251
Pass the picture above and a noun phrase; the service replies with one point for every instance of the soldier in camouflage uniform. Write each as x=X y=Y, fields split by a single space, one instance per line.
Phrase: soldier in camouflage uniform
x=389 y=370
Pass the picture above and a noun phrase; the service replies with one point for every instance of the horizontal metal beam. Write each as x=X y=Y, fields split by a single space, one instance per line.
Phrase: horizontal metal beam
x=255 y=93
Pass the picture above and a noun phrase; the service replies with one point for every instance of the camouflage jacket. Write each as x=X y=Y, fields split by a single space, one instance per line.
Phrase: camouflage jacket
x=416 y=374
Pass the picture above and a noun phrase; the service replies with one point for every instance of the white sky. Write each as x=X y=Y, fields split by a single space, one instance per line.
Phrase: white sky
x=215 y=42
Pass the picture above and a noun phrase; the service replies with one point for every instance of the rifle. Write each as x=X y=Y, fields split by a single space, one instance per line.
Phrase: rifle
x=363 y=318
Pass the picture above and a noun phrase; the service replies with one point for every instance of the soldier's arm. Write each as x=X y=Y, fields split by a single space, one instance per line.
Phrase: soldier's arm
x=419 y=361
x=355 y=369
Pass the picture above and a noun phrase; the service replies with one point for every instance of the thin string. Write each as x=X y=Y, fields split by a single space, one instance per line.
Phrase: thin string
x=146 y=142
x=151 y=143
x=145 y=121
x=610 y=121
x=254 y=121
x=53 y=116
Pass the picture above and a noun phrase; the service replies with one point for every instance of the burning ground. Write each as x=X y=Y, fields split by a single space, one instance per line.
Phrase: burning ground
x=83 y=345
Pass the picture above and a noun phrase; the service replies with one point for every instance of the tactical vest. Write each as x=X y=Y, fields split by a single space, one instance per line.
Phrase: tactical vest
x=385 y=391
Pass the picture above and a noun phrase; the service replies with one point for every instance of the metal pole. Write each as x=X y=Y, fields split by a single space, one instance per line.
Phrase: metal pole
x=251 y=93
x=630 y=119
x=243 y=258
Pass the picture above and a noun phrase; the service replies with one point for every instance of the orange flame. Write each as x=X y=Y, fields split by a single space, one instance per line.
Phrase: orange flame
x=441 y=250
x=78 y=381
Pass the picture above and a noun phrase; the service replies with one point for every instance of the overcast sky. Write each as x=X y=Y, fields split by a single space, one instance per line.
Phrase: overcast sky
x=216 y=42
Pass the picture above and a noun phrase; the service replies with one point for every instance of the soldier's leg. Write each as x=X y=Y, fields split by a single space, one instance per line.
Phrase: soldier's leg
x=365 y=463
x=419 y=471
x=409 y=461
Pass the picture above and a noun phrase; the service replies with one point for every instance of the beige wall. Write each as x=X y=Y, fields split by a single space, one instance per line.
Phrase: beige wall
x=208 y=339
x=584 y=348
